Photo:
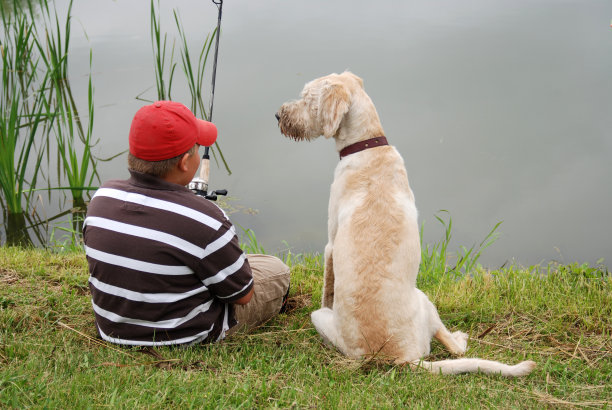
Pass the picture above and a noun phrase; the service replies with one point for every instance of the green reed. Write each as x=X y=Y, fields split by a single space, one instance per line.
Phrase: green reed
x=74 y=160
x=79 y=169
x=159 y=44
x=195 y=78
x=39 y=117
x=165 y=66
x=22 y=113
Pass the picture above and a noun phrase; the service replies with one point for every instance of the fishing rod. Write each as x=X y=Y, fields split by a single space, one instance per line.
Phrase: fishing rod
x=199 y=185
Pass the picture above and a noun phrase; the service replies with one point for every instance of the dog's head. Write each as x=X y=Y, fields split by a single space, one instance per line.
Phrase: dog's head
x=324 y=104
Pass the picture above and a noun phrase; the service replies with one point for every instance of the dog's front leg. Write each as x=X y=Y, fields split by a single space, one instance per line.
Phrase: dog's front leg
x=328 y=279
x=455 y=342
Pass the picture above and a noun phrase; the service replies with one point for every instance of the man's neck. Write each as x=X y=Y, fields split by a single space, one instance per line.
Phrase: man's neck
x=176 y=177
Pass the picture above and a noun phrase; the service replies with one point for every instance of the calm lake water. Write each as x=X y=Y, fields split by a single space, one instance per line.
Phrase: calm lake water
x=501 y=109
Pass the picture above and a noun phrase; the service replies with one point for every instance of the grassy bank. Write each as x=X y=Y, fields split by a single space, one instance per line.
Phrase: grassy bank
x=560 y=317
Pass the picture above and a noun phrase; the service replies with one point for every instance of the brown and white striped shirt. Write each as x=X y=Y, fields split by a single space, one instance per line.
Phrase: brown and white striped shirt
x=164 y=264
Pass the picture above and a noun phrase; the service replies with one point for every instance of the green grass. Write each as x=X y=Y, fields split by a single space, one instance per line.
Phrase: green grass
x=559 y=316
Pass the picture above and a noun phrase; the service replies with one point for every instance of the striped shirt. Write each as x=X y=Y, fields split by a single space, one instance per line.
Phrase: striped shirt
x=164 y=264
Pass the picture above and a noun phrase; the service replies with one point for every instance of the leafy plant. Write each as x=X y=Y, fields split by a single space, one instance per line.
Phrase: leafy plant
x=249 y=243
x=436 y=257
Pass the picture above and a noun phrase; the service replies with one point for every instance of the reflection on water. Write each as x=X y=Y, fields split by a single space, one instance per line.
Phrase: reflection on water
x=17 y=233
x=35 y=229
x=501 y=110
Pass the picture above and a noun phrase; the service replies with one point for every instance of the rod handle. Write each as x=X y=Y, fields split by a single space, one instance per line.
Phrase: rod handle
x=205 y=169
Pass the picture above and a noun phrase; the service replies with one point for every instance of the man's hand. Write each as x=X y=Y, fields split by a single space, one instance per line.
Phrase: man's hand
x=245 y=299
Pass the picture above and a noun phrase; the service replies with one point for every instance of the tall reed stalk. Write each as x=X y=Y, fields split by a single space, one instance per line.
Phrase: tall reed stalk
x=165 y=67
x=39 y=114
x=195 y=79
x=75 y=162
x=22 y=111
x=159 y=44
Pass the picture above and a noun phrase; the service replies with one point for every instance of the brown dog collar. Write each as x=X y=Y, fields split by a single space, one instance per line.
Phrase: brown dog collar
x=363 y=145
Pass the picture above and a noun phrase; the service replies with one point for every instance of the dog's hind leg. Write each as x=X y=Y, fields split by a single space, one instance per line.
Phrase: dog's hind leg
x=323 y=320
x=328 y=279
x=455 y=342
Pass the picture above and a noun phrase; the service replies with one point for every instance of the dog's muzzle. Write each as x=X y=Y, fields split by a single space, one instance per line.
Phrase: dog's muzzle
x=277 y=117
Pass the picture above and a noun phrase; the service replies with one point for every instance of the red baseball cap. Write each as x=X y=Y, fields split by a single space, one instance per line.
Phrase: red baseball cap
x=166 y=129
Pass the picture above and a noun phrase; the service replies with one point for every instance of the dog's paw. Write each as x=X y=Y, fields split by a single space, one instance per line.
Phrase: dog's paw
x=461 y=338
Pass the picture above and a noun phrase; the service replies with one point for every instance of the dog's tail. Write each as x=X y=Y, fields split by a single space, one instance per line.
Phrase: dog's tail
x=457 y=366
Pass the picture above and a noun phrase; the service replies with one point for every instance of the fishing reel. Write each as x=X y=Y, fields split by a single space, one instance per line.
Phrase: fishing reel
x=200 y=187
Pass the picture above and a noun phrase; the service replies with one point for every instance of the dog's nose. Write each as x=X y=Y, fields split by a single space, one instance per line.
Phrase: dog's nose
x=277 y=117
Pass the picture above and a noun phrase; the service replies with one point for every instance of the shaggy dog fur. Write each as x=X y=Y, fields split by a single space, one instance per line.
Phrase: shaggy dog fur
x=370 y=301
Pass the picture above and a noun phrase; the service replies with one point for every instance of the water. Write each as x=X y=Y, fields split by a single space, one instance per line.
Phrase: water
x=502 y=110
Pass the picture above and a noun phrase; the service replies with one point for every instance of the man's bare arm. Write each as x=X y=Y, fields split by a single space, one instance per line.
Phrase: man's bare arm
x=245 y=299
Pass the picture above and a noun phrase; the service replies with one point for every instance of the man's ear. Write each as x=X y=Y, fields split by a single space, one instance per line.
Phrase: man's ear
x=182 y=163
x=335 y=103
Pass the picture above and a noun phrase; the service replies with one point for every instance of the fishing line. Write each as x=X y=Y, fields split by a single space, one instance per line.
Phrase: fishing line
x=200 y=185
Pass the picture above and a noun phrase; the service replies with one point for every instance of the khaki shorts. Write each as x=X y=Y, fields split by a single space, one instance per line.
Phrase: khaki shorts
x=271 y=284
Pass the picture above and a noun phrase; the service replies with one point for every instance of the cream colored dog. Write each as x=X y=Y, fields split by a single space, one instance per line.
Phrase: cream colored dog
x=370 y=301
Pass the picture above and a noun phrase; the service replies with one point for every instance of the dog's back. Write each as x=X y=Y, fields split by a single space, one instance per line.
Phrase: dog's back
x=376 y=251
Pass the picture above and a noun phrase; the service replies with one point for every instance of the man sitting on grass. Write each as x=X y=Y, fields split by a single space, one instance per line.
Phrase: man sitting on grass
x=165 y=264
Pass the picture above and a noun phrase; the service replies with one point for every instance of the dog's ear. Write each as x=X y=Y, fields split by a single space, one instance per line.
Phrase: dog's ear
x=354 y=77
x=335 y=102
